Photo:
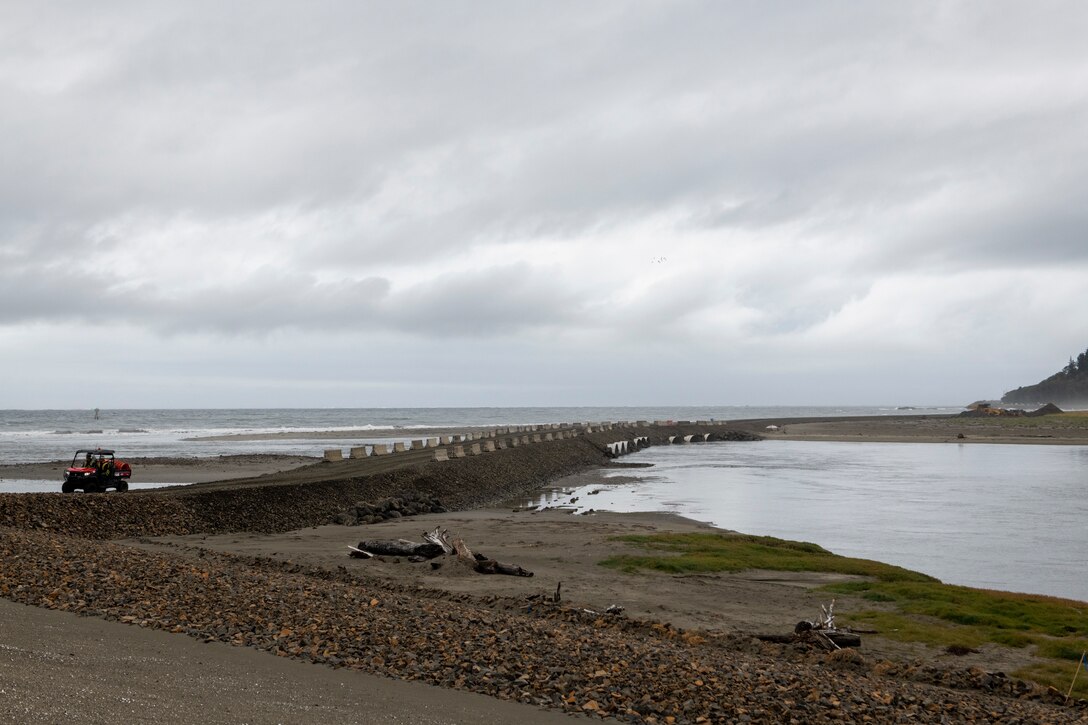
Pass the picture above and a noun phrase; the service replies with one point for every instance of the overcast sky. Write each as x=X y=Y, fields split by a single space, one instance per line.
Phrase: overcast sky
x=208 y=204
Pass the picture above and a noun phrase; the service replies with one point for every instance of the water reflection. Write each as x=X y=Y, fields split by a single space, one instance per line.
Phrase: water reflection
x=1000 y=516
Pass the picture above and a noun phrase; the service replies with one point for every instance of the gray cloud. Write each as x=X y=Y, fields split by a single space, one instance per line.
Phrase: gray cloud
x=237 y=172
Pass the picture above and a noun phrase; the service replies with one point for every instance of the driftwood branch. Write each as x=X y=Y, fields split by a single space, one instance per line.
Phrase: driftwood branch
x=359 y=553
x=822 y=632
x=441 y=538
x=483 y=565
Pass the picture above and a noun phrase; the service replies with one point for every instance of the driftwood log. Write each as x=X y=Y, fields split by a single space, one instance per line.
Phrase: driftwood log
x=482 y=564
x=436 y=543
x=401 y=547
x=826 y=638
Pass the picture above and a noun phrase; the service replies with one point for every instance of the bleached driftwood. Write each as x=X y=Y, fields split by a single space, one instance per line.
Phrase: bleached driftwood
x=821 y=632
x=441 y=538
x=359 y=553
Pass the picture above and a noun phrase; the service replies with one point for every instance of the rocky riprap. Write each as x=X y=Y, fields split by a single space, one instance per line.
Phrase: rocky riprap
x=267 y=505
x=393 y=507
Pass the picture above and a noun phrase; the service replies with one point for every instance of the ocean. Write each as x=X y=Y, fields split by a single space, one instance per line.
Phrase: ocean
x=29 y=436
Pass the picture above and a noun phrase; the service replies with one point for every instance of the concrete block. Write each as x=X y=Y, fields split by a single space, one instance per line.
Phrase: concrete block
x=458 y=451
x=441 y=454
x=399 y=447
x=549 y=437
x=515 y=442
x=500 y=444
x=380 y=449
x=474 y=449
x=536 y=438
x=432 y=443
x=357 y=452
x=642 y=423
x=334 y=454
x=445 y=440
x=419 y=445
x=489 y=446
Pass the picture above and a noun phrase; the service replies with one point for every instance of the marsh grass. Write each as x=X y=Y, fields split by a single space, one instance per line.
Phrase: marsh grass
x=914 y=607
x=692 y=553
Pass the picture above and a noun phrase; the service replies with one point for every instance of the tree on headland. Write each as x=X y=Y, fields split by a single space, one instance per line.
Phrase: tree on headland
x=1066 y=388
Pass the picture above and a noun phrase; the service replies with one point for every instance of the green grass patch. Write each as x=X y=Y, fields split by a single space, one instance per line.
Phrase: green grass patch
x=1000 y=614
x=913 y=607
x=708 y=553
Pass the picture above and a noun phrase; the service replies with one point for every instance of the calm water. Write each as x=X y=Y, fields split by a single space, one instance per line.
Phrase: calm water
x=1012 y=517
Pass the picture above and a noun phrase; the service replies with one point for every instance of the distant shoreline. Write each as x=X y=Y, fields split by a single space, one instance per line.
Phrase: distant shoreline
x=1063 y=429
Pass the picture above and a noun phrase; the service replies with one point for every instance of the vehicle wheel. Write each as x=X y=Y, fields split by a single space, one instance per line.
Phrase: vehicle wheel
x=122 y=486
x=67 y=487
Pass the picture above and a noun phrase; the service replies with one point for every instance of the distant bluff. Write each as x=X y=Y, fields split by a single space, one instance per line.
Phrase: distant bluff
x=1067 y=388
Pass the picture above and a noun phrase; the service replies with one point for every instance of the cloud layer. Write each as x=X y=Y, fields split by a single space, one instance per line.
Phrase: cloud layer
x=515 y=203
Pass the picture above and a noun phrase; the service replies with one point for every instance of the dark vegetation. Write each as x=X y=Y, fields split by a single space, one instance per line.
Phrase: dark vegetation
x=1067 y=388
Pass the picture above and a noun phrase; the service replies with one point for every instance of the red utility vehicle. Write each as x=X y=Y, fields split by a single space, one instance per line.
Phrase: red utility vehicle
x=95 y=472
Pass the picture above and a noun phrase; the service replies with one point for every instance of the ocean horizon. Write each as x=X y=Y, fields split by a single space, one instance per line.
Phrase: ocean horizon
x=30 y=436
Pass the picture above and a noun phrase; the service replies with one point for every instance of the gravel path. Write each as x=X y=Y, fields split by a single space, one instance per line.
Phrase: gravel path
x=60 y=667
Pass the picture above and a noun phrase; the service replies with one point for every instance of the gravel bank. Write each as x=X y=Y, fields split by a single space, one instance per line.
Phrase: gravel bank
x=534 y=653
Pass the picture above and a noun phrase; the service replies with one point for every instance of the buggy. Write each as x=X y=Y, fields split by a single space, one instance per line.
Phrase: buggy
x=95 y=471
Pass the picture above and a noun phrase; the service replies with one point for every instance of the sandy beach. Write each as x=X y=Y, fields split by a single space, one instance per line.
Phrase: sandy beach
x=1069 y=429
x=178 y=580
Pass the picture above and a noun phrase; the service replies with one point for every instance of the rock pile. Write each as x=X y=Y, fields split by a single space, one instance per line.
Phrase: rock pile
x=393 y=507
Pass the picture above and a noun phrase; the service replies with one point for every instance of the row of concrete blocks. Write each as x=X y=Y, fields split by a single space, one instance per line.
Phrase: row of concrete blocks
x=489 y=446
x=489 y=442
